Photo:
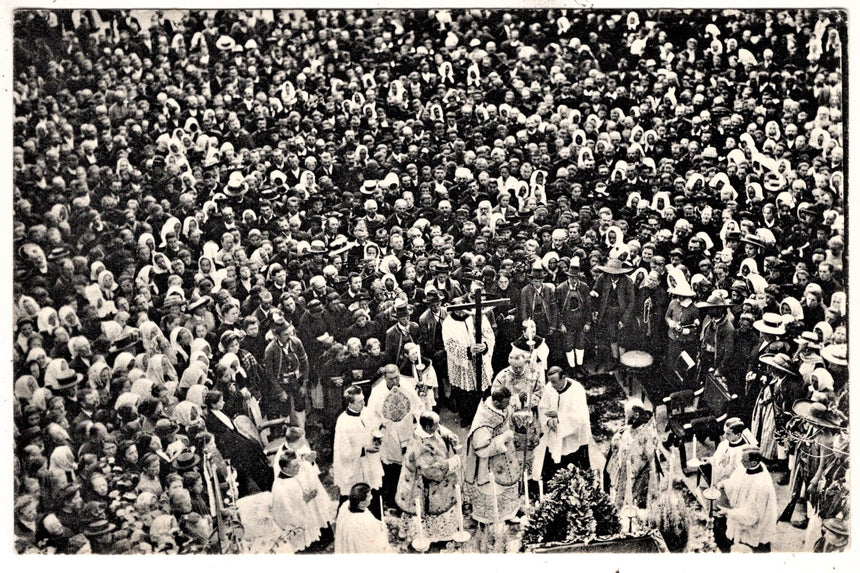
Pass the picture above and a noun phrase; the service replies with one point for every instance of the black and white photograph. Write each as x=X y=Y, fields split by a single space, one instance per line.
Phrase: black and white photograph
x=356 y=280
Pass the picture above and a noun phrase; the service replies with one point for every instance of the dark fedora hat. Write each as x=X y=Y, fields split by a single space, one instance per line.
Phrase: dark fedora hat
x=753 y=240
x=402 y=311
x=432 y=296
x=441 y=267
x=165 y=427
x=185 y=461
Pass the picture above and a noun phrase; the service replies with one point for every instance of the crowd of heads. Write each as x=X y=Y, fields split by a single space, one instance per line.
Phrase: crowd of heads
x=173 y=178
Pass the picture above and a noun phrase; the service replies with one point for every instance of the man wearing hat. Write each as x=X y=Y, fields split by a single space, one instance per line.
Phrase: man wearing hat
x=442 y=283
x=781 y=387
x=834 y=536
x=818 y=460
x=537 y=302
x=286 y=365
x=574 y=304
x=401 y=333
x=430 y=339
x=751 y=509
x=616 y=297
x=682 y=317
x=717 y=338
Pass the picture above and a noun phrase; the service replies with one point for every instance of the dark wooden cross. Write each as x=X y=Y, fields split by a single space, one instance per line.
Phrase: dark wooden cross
x=478 y=306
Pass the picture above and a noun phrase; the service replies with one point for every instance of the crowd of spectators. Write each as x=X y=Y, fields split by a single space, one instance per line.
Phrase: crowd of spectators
x=219 y=209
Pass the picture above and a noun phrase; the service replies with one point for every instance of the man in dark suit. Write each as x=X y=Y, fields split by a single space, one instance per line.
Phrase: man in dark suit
x=430 y=339
x=574 y=306
x=398 y=335
x=538 y=303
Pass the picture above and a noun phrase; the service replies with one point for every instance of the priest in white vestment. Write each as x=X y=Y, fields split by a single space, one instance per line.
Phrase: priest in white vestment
x=565 y=424
x=356 y=449
x=357 y=530
x=458 y=335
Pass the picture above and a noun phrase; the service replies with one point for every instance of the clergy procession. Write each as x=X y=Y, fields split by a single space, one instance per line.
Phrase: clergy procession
x=356 y=281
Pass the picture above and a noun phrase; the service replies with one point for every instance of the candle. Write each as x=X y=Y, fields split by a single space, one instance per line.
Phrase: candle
x=628 y=491
x=459 y=507
x=540 y=489
x=495 y=501
x=526 y=485
x=695 y=442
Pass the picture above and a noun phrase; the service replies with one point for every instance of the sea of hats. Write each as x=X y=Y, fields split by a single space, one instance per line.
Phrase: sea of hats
x=212 y=173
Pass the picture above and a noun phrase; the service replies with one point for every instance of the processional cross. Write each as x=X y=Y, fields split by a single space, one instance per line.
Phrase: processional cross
x=478 y=306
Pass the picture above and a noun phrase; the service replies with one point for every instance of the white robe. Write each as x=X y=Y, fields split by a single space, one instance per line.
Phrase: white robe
x=751 y=519
x=395 y=435
x=352 y=434
x=458 y=336
x=360 y=533
x=574 y=424
x=726 y=460
x=290 y=510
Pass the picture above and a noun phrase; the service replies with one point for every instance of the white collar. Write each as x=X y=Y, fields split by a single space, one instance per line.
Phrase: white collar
x=223 y=417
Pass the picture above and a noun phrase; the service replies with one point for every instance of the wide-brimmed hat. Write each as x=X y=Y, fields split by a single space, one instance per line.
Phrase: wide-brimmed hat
x=165 y=427
x=58 y=253
x=614 y=267
x=99 y=528
x=236 y=186
x=715 y=300
x=537 y=272
x=770 y=323
x=185 y=461
x=836 y=353
x=369 y=187
x=779 y=361
x=754 y=240
x=836 y=525
x=317 y=248
x=402 y=311
x=432 y=296
x=225 y=43
x=203 y=300
x=810 y=339
x=126 y=341
x=818 y=413
x=67 y=378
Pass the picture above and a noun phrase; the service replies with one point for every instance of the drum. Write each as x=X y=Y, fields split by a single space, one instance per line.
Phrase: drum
x=637 y=365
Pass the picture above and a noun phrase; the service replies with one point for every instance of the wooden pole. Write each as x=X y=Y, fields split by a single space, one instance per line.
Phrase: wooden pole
x=479 y=319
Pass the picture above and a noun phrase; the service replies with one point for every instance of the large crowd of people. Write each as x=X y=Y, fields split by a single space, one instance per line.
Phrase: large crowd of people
x=248 y=243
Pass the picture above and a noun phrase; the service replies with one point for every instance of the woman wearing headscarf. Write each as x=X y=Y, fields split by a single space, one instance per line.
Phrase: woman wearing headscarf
x=159 y=370
x=63 y=462
x=180 y=342
x=25 y=386
x=36 y=362
x=47 y=321
x=82 y=354
x=61 y=344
